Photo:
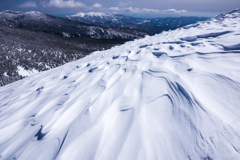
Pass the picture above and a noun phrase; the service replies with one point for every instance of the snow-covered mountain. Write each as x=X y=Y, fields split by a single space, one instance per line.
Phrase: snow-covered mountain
x=24 y=52
x=150 y=26
x=37 y=21
x=175 y=95
x=95 y=15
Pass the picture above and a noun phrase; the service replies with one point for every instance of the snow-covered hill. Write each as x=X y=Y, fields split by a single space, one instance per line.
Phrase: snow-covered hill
x=94 y=14
x=24 y=52
x=175 y=96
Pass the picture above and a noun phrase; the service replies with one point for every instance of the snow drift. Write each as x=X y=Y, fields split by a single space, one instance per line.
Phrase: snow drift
x=175 y=96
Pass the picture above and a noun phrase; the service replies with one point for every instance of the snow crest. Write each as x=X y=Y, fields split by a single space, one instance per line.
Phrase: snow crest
x=91 y=14
x=175 y=96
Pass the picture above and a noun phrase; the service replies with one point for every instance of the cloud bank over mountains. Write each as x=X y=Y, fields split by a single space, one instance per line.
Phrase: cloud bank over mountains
x=64 y=4
x=149 y=8
x=145 y=10
x=121 y=7
x=133 y=10
x=176 y=11
x=28 y=5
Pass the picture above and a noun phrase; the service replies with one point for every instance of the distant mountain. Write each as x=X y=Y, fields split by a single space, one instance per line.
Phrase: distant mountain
x=24 y=52
x=99 y=18
x=151 y=26
x=37 y=21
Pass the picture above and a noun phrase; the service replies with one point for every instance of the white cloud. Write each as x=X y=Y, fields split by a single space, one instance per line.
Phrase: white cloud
x=64 y=4
x=134 y=10
x=176 y=11
x=28 y=5
x=97 y=5
x=130 y=9
x=124 y=4
x=150 y=10
x=114 y=8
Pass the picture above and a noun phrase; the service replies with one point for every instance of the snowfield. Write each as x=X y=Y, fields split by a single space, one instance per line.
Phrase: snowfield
x=173 y=96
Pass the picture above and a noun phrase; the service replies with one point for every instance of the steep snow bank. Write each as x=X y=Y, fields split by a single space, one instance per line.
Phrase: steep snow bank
x=175 y=95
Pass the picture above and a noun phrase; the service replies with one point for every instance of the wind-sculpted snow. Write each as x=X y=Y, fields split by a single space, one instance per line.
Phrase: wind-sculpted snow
x=161 y=97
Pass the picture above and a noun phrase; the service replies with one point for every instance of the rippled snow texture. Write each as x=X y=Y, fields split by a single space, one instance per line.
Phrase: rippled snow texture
x=175 y=96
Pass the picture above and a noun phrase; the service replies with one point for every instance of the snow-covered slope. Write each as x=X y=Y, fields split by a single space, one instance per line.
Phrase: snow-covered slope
x=24 y=52
x=175 y=95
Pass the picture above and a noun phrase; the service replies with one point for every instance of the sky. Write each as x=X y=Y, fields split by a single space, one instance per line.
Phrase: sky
x=136 y=8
